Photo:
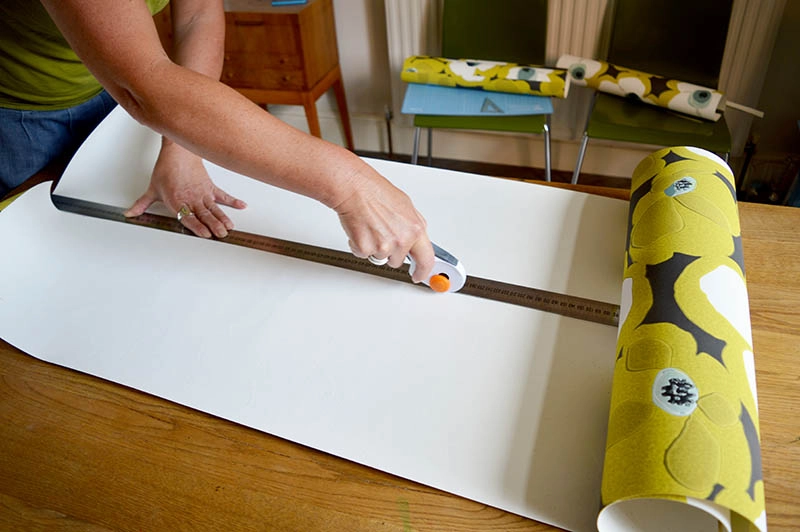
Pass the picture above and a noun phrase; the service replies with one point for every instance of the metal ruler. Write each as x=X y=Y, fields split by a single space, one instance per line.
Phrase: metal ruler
x=563 y=304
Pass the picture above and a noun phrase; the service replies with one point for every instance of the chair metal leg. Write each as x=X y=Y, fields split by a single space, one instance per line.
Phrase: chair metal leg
x=415 y=151
x=584 y=141
x=579 y=162
x=430 y=146
x=547 y=148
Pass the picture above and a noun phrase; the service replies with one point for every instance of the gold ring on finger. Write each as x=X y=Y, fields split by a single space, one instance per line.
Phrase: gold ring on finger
x=183 y=212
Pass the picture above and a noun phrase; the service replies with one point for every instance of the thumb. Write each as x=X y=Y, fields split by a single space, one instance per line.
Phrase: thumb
x=141 y=204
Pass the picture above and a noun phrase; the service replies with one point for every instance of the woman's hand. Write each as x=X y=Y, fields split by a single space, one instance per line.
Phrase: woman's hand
x=181 y=181
x=380 y=220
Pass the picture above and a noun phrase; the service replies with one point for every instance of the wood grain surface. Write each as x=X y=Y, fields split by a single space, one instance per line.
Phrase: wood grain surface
x=80 y=453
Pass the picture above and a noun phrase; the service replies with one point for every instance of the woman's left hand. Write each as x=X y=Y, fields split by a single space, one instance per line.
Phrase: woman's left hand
x=181 y=181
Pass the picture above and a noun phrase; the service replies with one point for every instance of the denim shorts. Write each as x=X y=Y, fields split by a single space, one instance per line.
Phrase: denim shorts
x=30 y=140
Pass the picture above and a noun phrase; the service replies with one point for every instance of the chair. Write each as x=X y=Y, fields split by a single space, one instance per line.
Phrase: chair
x=505 y=30
x=680 y=39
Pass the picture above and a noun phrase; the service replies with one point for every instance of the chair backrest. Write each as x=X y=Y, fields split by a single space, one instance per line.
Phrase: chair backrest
x=679 y=39
x=503 y=30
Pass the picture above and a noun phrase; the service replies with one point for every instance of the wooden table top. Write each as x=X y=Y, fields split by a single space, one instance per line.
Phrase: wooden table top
x=81 y=453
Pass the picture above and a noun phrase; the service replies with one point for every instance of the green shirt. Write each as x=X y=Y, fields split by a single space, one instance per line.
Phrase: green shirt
x=38 y=69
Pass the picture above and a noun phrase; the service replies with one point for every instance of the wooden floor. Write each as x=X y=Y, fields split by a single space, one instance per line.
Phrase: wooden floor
x=524 y=173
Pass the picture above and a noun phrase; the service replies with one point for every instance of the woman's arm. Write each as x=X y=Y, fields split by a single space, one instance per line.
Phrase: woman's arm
x=119 y=44
x=180 y=179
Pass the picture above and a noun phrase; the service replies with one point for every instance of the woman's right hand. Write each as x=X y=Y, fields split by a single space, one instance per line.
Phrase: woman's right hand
x=380 y=220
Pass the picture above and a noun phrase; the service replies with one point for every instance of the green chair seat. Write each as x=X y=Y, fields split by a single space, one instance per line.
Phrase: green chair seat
x=615 y=118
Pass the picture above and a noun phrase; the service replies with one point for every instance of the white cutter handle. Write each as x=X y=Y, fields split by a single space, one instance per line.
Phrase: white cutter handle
x=447 y=275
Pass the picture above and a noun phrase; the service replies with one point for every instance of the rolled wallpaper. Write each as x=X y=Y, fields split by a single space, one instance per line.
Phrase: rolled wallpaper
x=683 y=423
x=679 y=96
x=486 y=75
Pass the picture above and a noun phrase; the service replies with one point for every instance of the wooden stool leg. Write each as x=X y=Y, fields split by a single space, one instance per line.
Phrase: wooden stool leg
x=310 y=105
x=341 y=102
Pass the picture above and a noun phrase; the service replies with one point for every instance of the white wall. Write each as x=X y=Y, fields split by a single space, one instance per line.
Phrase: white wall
x=777 y=133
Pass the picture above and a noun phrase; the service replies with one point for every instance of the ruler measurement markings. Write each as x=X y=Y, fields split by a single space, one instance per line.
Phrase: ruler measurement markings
x=563 y=304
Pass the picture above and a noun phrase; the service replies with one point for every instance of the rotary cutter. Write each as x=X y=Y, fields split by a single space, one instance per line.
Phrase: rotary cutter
x=447 y=275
